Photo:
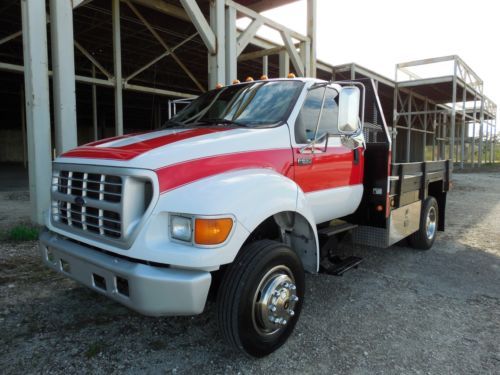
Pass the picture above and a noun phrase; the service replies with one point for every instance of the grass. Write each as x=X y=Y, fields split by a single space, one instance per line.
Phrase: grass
x=22 y=232
x=486 y=152
x=94 y=349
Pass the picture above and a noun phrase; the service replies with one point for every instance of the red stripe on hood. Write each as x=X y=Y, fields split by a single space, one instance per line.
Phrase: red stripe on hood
x=176 y=175
x=133 y=150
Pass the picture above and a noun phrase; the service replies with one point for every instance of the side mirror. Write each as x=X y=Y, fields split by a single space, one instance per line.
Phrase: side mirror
x=349 y=110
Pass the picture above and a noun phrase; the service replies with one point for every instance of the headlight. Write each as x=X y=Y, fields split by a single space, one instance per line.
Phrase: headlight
x=181 y=228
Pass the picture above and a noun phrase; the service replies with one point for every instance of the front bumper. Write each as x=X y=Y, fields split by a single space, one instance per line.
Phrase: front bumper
x=147 y=289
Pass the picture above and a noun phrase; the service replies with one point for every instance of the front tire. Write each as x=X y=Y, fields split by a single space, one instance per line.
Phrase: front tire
x=260 y=297
x=424 y=238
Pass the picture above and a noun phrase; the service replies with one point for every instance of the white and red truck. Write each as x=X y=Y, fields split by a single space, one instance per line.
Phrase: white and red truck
x=238 y=195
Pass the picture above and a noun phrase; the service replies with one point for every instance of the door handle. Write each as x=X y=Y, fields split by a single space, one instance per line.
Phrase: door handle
x=355 y=156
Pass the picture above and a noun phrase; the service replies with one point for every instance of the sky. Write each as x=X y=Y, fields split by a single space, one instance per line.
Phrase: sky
x=379 y=34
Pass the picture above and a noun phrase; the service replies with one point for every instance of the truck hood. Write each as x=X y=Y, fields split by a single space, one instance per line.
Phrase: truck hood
x=162 y=148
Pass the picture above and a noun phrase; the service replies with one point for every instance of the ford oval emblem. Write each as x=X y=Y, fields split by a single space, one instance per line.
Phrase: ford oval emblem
x=79 y=201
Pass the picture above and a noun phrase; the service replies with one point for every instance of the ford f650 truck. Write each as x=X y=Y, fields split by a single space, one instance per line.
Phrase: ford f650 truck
x=238 y=195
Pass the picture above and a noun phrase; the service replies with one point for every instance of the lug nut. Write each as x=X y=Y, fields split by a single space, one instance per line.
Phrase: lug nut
x=286 y=285
x=291 y=312
x=293 y=287
x=272 y=308
x=294 y=298
x=284 y=322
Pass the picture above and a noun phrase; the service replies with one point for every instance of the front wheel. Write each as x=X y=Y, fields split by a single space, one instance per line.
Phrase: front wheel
x=260 y=297
x=424 y=238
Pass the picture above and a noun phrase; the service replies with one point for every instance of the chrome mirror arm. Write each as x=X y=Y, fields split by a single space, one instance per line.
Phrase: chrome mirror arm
x=311 y=145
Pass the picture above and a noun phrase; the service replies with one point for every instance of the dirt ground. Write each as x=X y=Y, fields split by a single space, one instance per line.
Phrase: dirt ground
x=401 y=312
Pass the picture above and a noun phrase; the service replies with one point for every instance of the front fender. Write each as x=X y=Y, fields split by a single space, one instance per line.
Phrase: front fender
x=250 y=195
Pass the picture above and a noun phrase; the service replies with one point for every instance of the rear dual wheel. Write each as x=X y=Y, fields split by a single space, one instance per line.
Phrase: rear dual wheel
x=260 y=297
x=424 y=238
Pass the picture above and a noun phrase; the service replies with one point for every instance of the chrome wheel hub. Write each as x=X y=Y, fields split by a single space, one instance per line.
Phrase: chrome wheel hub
x=275 y=300
x=431 y=223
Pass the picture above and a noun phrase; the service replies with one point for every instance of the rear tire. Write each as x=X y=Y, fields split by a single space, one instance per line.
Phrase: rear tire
x=260 y=297
x=424 y=238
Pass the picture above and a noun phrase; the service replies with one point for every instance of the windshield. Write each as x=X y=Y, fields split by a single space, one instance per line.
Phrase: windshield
x=252 y=104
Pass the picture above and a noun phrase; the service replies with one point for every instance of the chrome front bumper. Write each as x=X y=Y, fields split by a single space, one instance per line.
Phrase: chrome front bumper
x=149 y=290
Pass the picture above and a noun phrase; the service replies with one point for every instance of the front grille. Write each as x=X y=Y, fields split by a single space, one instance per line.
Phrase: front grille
x=85 y=213
x=92 y=204
x=92 y=185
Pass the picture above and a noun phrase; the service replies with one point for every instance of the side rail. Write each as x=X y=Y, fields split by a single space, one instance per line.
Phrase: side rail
x=410 y=181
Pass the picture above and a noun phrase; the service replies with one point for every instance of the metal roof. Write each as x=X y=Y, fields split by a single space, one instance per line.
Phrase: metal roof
x=263 y=5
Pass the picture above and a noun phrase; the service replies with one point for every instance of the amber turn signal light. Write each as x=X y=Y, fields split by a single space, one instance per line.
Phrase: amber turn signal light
x=212 y=231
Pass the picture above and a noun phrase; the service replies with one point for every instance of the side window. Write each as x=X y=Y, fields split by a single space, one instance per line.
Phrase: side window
x=305 y=126
x=330 y=116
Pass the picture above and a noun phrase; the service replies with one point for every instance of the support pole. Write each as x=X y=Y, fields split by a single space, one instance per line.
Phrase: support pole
x=63 y=67
x=487 y=140
x=481 y=133
x=444 y=131
x=394 y=123
x=305 y=51
x=426 y=106
x=294 y=55
x=117 y=60
x=23 y=125
x=216 y=61
x=453 y=110
x=434 y=127
x=94 y=106
x=495 y=135
x=36 y=82
x=408 y=134
x=462 y=136
x=284 y=62
x=196 y=16
x=311 y=33
x=473 y=140
x=231 y=54
x=265 y=65
x=473 y=143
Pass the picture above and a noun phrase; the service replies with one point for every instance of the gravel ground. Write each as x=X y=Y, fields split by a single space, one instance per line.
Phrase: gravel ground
x=401 y=311
x=14 y=209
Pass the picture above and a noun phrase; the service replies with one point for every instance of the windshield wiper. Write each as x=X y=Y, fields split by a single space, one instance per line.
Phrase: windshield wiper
x=172 y=123
x=222 y=121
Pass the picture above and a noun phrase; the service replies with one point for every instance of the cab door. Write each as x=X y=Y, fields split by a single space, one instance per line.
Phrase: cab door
x=328 y=172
